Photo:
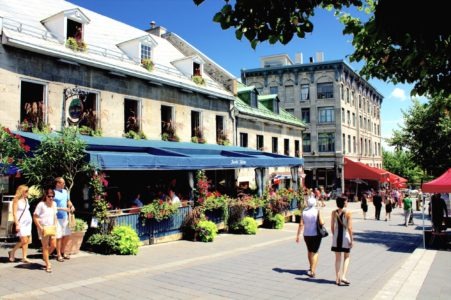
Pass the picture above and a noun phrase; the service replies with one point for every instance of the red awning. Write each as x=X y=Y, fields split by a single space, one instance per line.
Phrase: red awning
x=441 y=184
x=354 y=170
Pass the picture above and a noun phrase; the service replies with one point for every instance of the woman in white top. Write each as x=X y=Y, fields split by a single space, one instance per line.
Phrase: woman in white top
x=23 y=222
x=45 y=215
x=308 y=226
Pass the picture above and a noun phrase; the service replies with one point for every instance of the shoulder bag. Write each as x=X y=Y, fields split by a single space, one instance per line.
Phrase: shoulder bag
x=322 y=231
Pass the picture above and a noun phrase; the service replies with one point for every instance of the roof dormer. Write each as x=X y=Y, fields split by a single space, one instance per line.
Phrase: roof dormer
x=139 y=49
x=67 y=24
x=249 y=94
x=190 y=66
x=271 y=102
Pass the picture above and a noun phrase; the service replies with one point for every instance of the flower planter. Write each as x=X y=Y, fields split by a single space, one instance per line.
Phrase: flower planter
x=74 y=243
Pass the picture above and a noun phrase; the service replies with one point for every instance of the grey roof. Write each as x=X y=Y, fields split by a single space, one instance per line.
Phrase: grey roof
x=22 y=27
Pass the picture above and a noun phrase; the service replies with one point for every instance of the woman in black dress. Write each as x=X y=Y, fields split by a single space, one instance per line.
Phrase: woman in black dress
x=364 y=205
x=388 y=208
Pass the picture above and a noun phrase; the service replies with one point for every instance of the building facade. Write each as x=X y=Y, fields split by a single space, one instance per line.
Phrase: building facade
x=340 y=108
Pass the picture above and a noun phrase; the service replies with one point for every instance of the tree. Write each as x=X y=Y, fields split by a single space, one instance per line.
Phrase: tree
x=402 y=163
x=396 y=44
x=58 y=155
x=426 y=134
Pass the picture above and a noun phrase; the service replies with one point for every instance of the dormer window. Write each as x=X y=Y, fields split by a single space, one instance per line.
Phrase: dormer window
x=254 y=99
x=196 y=69
x=74 y=30
x=68 y=24
x=192 y=67
x=146 y=52
x=140 y=50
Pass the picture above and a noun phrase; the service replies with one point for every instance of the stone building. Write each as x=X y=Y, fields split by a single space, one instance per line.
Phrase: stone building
x=340 y=108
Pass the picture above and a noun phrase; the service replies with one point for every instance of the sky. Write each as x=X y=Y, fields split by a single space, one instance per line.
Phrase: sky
x=194 y=24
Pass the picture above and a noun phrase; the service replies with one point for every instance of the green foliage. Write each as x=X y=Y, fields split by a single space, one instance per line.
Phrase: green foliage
x=102 y=243
x=127 y=240
x=134 y=135
x=100 y=205
x=206 y=231
x=158 y=210
x=12 y=149
x=278 y=220
x=57 y=155
x=75 y=45
x=80 y=225
x=199 y=80
x=275 y=21
x=190 y=222
x=247 y=226
x=86 y=130
x=147 y=64
x=426 y=134
x=403 y=164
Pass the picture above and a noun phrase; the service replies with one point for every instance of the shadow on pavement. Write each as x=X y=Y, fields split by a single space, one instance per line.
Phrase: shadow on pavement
x=394 y=241
x=316 y=280
x=295 y=272
x=30 y=266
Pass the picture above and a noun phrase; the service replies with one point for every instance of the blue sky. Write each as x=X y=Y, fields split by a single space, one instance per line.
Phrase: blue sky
x=194 y=24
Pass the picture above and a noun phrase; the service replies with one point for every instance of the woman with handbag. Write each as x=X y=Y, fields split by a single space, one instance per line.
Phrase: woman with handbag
x=341 y=227
x=22 y=223
x=308 y=227
x=45 y=219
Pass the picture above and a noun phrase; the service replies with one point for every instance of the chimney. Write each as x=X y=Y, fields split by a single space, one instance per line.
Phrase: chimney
x=311 y=59
x=156 y=30
x=320 y=56
x=298 y=58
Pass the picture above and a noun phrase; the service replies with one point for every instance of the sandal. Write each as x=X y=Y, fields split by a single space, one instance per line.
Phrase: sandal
x=310 y=274
x=60 y=259
x=344 y=281
x=26 y=261
x=65 y=256
x=11 y=259
x=48 y=269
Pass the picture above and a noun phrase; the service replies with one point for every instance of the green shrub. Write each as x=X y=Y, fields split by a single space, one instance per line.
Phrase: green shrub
x=102 y=243
x=80 y=225
x=279 y=221
x=127 y=240
x=248 y=226
x=206 y=231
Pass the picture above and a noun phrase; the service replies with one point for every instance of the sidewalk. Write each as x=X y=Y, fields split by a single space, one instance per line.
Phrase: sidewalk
x=387 y=262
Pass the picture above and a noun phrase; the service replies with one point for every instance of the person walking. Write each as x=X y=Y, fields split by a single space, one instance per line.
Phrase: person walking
x=342 y=240
x=377 y=202
x=64 y=206
x=407 y=204
x=388 y=208
x=308 y=228
x=364 y=204
x=45 y=215
x=23 y=221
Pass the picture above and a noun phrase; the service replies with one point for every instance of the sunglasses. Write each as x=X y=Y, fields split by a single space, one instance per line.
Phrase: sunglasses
x=50 y=196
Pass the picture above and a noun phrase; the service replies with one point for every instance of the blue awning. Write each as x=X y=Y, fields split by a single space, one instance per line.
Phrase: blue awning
x=127 y=154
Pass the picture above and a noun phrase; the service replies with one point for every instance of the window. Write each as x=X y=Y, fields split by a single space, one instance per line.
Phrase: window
x=243 y=139
x=289 y=93
x=305 y=115
x=32 y=106
x=196 y=69
x=273 y=90
x=354 y=145
x=360 y=102
x=296 y=149
x=353 y=119
x=196 y=130
x=364 y=124
x=131 y=115
x=305 y=92
x=306 y=143
x=146 y=52
x=326 y=115
x=290 y=110
x=325 y=90
x=74 y=30
x=254 y=100
x=275 y=146
x=286 y=147
x=361 y=146
x=342 y=96
x=167 y=124
x=343 y=116
x=349 y=117
x=352 y=98
x=347 y=95
x=326 y=142
x=375 y=148
x=343 y=139
x=360 y=123
x=260 y=142
x=220 y=130
x=87 y=108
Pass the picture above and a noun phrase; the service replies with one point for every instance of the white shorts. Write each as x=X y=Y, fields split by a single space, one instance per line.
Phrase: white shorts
x=62 y=228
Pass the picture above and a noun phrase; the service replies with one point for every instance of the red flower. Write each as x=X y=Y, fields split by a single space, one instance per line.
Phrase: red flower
x=160 y=202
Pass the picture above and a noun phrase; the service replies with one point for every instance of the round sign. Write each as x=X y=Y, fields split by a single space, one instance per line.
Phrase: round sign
x=75 y=110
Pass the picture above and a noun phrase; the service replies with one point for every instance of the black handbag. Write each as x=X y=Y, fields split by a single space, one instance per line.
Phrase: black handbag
x=322 y=231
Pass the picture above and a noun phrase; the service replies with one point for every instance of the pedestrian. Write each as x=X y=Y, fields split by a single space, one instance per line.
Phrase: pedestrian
x=22 y=221
x=342 y=240
x=364 y=204
x=438 y=210
x=64 y=206
x=377 y=202
x=388 y=208
x=45 y=215
x=407 y=204
x=174 y=198
x=308 y=228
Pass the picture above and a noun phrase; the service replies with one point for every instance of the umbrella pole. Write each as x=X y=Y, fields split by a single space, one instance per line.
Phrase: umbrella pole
x=422 y=209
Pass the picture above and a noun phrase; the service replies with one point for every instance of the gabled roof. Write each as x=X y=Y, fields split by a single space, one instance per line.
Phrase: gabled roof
x=102 y=36
x=74 y=12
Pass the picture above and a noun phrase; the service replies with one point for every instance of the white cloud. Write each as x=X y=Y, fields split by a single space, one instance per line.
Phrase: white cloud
x=399 y=94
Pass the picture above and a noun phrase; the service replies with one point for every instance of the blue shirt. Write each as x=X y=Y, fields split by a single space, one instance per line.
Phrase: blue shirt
x=61 y=198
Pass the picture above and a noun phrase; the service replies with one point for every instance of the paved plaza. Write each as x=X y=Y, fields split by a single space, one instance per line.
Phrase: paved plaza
x=387 y=262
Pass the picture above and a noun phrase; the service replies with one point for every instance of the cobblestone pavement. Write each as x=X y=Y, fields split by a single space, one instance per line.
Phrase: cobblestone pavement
x=387 y=262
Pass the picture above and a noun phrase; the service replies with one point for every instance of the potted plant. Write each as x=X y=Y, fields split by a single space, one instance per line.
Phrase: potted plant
x=198 y=79
x=76 y=238
x=148 y=64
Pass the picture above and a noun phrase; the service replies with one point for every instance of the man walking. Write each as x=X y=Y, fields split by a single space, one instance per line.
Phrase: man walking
x=407 y=209
x=377 y=202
